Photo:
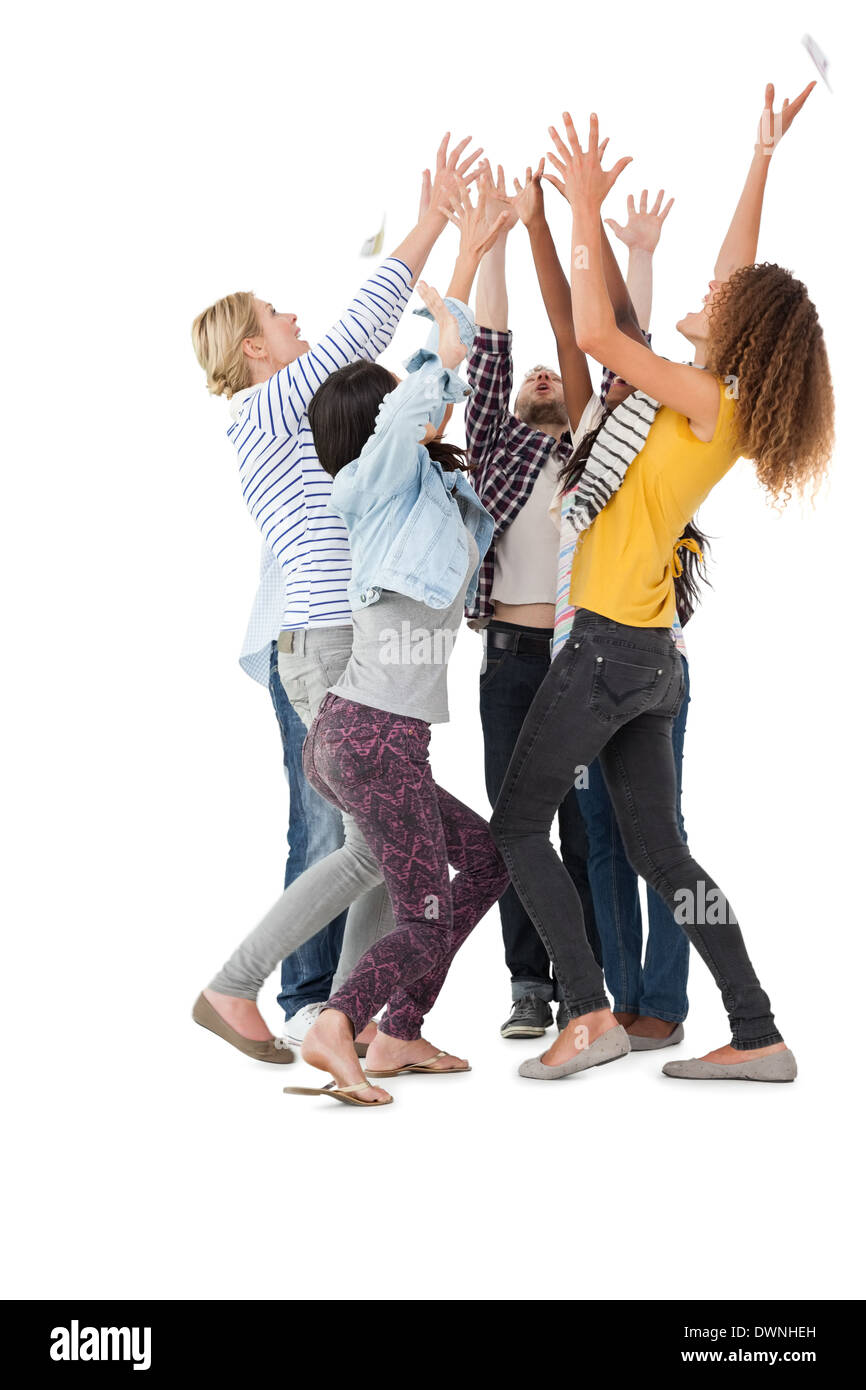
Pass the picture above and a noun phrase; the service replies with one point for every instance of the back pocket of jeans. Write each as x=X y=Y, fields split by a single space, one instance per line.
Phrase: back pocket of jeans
x=620 y=689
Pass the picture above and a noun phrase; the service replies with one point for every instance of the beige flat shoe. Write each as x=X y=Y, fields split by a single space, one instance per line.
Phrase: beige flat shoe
x=206 y=1015
x=427 y=1067
x=343 y=1093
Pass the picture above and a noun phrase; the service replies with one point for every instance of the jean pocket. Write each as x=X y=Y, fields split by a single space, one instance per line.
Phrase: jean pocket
x=622 y=689
x=492 y=664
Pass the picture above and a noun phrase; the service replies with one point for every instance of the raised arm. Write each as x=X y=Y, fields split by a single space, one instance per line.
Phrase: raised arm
x=391 y=457
x=740 y=246
x=491 y=300
x=688 y=390
x=555 y=292
x=367 y=326
x=641 y=235
x=480 y=226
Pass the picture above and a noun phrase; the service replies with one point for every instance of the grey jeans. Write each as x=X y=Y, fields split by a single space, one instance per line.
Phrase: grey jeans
x=350 y=877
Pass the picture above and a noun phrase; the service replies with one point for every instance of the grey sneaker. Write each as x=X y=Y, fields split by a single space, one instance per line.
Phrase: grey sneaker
x=530 y=1017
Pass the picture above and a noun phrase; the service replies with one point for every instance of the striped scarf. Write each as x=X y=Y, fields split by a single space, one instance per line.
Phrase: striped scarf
x=617 y=444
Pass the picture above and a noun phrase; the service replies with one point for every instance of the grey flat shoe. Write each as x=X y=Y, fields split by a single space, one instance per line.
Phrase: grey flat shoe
x=779 y=1066
x=608 y=1048
x=639 y=1044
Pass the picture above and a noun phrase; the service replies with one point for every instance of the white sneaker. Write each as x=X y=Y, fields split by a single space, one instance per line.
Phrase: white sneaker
x=295 y=1029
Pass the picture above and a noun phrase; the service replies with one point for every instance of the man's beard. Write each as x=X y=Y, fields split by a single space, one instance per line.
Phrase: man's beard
x=543 y=412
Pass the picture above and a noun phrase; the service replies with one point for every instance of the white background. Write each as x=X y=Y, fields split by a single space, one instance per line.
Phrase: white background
x=155 y=160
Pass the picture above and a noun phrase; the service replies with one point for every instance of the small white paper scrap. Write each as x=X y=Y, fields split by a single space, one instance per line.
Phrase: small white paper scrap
x=373 y=245
x=817 y=57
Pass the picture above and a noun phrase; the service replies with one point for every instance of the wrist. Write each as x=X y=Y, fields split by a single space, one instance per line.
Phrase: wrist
x=433 y=220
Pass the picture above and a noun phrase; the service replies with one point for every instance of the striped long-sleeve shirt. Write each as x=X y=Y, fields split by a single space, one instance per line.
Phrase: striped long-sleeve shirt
x=284 y=485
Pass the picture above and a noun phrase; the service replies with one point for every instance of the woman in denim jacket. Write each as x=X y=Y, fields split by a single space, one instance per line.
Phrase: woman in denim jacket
x=418 y=533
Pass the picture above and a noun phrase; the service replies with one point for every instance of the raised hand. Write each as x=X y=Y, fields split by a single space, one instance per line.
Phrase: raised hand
x=426 y=194
x=478 y=227
x=773 y=124
x=528 y=200
x=452 y=349
x=581 y=177
x=643 y=228
x=451 y=171
x=497 y=199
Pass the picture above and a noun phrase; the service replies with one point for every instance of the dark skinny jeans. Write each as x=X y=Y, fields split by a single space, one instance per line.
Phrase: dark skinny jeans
x=613 y=693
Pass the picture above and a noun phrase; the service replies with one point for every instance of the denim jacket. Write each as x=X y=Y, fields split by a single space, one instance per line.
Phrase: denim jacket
x=405 y=514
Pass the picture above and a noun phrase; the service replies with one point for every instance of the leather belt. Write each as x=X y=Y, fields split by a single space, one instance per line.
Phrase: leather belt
x=526 y=642
x=286 y=641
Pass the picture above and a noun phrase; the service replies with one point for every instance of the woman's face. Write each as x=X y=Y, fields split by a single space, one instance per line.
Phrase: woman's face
x=695 y=326
x=281 y=336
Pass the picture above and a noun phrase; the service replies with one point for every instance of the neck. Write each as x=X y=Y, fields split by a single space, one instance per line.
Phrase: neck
x=553 y=429
x=260 y=371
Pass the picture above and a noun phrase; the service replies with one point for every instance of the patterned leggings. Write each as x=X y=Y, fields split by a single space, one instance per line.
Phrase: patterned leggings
x=374 y=767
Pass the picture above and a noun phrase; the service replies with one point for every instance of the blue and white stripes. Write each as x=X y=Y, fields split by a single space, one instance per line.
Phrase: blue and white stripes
x=284 y=485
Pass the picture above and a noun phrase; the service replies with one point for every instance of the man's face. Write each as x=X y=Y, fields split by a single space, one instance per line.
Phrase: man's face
x=540 y=400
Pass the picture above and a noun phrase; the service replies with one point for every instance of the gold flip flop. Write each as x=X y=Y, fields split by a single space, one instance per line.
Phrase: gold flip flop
x=343 y=1093
x=427 y=1067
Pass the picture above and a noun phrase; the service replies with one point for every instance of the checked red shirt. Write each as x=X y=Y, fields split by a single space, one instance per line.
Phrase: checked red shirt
x=505 y=455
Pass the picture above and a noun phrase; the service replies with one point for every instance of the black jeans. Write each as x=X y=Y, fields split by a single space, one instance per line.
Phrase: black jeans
x=509 y=683
x=613 y=693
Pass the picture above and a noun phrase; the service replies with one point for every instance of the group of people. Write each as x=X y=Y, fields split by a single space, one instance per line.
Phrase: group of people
x=565 y=532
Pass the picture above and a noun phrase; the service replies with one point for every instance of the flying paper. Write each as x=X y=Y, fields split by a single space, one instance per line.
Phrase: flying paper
x=373 y=245
x=817 y=57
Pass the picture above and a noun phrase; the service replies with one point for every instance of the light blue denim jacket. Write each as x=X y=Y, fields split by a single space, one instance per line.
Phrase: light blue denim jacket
x=406 y=515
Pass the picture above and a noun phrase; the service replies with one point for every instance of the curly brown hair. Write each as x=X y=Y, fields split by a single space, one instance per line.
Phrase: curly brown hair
x=764 y=333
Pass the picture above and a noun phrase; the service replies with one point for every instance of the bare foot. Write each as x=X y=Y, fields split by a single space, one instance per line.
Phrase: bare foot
x=729 y=1055
x=625 y=1019
x=578 y=1034
x=241 y=1014
x=648 y=1027
x=330 y=1046
x=387 y=1053
x=368 y=1034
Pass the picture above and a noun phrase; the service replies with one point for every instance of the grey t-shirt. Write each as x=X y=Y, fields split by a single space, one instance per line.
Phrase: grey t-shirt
x=400 y=651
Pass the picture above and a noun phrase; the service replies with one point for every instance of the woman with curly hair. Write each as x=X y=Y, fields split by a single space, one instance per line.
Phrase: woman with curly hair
x=760 y=388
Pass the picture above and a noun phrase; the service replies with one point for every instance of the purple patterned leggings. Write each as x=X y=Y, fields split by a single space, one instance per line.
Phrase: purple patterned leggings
x=374 y=767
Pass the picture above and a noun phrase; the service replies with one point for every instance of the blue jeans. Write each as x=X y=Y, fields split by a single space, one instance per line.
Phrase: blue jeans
x=315 y=829
x=658 y=987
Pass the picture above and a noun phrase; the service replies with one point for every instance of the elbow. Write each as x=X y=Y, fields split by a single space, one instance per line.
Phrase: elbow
x=593 y=342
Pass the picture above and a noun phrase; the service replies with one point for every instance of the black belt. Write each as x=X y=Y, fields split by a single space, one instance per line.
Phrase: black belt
x=526 y=642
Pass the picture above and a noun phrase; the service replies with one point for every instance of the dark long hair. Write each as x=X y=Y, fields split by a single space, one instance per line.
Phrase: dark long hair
x=342 y=416
x=686 y=585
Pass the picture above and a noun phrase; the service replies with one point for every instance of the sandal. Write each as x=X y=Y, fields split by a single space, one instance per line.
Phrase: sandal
x=343 y=1093
x=427 y=1067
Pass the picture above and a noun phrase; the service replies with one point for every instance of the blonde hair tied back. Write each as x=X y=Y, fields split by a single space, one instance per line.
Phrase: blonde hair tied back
x=218 y=335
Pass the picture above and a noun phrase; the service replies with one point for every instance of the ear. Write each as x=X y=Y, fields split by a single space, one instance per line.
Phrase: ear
x=254 y=347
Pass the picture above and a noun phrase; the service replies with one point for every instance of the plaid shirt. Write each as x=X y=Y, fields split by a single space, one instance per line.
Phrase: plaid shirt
x=506 y=456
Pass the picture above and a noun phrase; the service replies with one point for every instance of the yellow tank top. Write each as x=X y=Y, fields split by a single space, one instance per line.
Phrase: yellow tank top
x=625 y=566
